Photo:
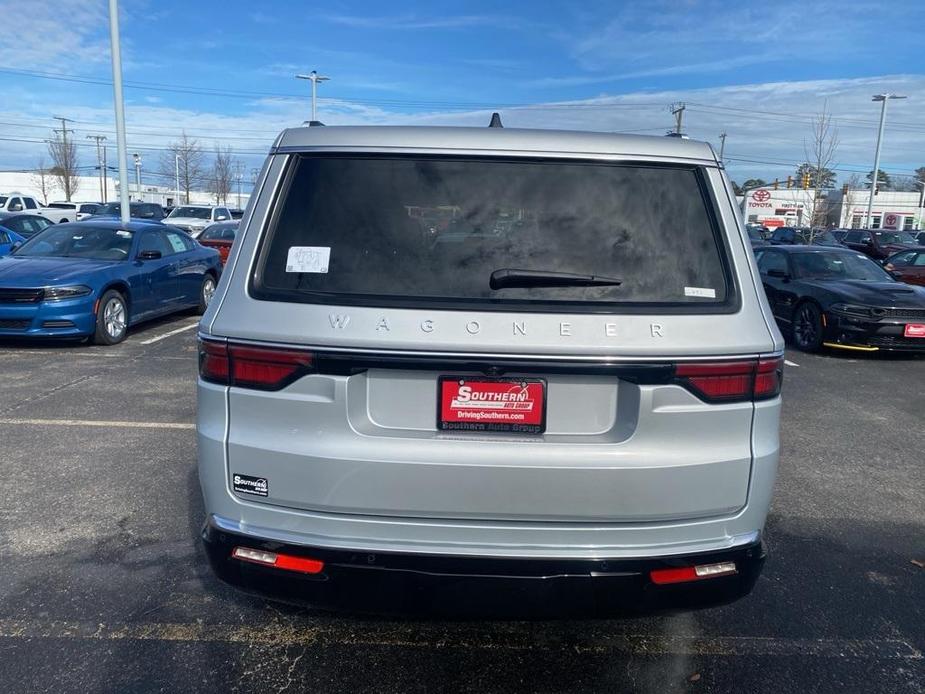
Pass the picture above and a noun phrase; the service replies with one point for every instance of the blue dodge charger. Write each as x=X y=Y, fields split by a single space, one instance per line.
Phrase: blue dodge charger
x=95 y=279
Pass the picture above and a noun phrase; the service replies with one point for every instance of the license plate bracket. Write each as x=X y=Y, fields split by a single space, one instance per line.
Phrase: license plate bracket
x=488 y=405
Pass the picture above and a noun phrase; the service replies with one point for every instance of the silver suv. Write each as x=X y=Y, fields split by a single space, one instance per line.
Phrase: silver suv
x=538 y=364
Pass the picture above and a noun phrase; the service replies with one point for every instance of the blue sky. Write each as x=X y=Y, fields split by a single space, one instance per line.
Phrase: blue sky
x=757 y=71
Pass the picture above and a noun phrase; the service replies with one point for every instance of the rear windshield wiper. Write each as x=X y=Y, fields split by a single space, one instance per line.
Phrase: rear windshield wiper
x=512 y=277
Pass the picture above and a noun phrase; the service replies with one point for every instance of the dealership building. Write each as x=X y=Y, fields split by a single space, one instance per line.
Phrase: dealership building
x=844 y=208
x=891 y=209
x=770 y=207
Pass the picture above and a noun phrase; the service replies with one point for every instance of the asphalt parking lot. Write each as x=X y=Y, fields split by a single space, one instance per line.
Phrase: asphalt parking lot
x=104 y=587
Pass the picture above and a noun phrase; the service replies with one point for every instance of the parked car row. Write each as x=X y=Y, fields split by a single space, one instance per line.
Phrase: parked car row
x=94 y=279
x=840 y=298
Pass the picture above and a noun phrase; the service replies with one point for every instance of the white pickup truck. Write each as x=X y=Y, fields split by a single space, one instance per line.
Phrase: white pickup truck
x=56 y=212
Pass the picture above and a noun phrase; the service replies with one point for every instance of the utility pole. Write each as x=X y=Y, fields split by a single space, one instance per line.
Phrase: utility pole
x=105 y=178
x=882 y=98
x=137 y=158
x=176 y=161
x=68 y=164
x=100 y=163
x=119 y=103
x=238 y=169
x=314 y=78
x=677 y=110
x=722 y=146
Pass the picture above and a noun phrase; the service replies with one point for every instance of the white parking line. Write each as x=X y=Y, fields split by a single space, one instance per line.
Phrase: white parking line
x=97 y=423
x=158 y=338
x=790 y=363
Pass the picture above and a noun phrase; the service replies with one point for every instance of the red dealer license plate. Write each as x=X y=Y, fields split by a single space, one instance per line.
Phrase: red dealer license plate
x=915 y=330
x=489 y=405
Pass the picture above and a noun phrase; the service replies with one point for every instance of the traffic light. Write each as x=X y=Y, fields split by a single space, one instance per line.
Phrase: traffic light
x=805 y=181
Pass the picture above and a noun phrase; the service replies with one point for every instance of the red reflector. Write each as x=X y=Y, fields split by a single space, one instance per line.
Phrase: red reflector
x=730 y=381
x=265 y=368
x=692 y=573
x=278 y=561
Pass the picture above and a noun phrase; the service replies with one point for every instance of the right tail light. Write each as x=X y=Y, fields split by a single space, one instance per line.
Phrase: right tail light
x=732 y=381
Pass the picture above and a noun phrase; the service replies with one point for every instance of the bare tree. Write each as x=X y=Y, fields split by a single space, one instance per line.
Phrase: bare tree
x=852 y=197
x=820 y=155
x=186 y=156
x=222 y=174
x=63 y=154
x=41 y=179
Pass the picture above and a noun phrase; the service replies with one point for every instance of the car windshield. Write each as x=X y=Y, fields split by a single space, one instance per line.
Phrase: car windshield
x=821 y=237
x=894 y=237
x=218 y=232
x=78 y=241
x=838 y=266
x=114 y=209
x=195 y=212
x=754 y=234
x=61 y=205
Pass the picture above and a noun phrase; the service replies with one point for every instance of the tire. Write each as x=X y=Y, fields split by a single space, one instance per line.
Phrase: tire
x=62 y=221
x=111 y=319
x=206 y=292
x=807 y=327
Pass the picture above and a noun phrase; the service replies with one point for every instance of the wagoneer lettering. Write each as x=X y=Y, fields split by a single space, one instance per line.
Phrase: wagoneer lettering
x=502 y=378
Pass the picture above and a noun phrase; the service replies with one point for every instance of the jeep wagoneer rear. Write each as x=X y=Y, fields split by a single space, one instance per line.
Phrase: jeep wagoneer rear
x=536 y=362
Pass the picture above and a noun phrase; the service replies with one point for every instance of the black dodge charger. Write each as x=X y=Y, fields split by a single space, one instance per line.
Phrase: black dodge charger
x=840 y=298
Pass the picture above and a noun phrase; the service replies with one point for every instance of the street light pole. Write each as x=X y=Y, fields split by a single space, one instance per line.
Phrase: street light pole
x=314 y=78
x=120 y=108
x=176 y=161
x=882 y=98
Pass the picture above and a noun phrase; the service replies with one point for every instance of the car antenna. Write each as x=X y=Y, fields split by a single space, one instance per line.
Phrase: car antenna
x=495 y=120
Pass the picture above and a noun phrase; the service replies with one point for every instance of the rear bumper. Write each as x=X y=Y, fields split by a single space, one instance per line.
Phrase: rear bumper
x=487 y=586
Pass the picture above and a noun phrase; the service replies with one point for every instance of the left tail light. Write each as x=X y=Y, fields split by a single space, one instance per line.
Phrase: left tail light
x=247 y=366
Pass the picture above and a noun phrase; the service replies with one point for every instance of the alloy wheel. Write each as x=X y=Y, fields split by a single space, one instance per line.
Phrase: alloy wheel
x=114 y=318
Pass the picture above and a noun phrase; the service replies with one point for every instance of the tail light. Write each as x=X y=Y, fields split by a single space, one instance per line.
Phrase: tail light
x=246 y=366
x=733 y=381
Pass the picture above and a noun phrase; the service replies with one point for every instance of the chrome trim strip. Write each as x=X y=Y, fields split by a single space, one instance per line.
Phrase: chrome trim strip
x=593 y=359
x=582 y=552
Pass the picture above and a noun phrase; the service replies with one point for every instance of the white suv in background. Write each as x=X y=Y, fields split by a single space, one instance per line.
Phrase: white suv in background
x=194 y=218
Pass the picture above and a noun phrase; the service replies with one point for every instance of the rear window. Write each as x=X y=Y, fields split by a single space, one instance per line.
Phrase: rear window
x=409 y=230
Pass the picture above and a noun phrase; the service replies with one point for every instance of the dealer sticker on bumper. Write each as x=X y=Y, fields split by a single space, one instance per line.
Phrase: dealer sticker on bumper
x=914 y=330
x=245 y=484
x=488 y=405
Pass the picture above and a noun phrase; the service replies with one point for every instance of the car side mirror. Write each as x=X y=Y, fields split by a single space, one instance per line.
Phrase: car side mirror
x=16 y=245
x=149 y=255
x=779 y=274
x=866 y=241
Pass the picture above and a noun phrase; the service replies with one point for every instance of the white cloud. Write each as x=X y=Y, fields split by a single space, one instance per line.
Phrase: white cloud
x=766 y=122
x=413 y=22
x=56 y=34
